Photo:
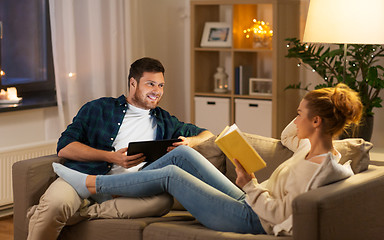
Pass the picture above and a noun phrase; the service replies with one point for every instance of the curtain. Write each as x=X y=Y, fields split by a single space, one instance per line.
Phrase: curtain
x=92 y=50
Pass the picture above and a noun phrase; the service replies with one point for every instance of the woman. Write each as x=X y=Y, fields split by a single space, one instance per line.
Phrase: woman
x=263 y=208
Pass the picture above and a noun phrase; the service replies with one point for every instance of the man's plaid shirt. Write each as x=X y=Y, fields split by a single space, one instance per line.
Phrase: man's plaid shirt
x=97 y=124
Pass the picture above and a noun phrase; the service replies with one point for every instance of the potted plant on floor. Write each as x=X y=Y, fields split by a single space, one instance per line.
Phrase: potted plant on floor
x=360 y=72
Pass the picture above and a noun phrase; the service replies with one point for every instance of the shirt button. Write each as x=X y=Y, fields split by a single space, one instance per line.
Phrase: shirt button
x=119 y=124
x=112 y=139
x=123 y=111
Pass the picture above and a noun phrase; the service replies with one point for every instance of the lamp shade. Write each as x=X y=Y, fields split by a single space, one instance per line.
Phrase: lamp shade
x=345 y=21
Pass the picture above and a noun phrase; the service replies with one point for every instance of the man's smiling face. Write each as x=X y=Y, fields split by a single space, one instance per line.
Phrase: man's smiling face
x=148 y=92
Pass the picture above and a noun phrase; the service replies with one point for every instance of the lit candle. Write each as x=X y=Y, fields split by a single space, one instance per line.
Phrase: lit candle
x=12 y=93
x=3 y=94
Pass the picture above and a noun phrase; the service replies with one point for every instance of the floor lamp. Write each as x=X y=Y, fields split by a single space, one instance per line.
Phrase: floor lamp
x=345 y=22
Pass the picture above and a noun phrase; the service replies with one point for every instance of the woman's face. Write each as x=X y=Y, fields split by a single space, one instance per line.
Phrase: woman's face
x=304 y=125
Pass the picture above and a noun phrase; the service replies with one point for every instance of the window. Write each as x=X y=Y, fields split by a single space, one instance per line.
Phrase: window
x=25 y=47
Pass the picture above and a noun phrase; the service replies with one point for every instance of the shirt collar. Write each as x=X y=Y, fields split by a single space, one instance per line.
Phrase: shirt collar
x=122 y=100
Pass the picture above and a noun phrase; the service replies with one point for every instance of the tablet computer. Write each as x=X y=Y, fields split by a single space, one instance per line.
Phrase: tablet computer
x=153 y=150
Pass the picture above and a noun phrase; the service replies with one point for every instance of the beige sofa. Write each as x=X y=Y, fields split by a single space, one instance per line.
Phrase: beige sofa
x=349 y=209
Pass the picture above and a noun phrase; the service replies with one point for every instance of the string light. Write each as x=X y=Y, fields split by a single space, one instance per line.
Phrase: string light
x=262 y=33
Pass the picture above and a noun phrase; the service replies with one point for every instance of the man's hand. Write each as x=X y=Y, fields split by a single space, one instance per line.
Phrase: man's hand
x=192 y=141
x=242 y=176
x=120 y=158
x=184 y=141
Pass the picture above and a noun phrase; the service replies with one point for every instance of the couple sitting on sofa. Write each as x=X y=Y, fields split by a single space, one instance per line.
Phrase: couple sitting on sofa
x=201 y=188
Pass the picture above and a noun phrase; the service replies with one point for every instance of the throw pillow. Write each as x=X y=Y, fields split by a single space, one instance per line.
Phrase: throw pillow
x=355 y=149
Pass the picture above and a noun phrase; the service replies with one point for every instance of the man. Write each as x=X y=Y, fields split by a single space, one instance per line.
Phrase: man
x=96 y=143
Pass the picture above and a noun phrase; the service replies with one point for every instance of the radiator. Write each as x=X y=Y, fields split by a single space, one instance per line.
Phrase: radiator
x=10 y=155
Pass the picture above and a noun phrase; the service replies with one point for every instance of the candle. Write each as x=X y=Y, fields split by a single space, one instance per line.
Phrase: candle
x=12 y=93
x=3 y=94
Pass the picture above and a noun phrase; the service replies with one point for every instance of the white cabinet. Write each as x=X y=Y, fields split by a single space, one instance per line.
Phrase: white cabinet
x=254 y=116
x=212 y=113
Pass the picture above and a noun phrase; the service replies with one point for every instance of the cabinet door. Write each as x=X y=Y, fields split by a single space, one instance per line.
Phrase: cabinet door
x=212 y=113
x=254 y=116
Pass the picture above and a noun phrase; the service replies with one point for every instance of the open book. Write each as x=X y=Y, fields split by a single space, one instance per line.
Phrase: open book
x=234 y=145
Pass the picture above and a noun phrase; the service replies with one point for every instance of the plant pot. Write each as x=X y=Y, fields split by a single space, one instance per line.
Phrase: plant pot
x=364 y=130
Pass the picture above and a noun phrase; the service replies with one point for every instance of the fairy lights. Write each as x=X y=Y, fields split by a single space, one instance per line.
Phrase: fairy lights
x=261 y=33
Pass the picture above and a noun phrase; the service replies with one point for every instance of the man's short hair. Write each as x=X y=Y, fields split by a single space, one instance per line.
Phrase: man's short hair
x=142 y=65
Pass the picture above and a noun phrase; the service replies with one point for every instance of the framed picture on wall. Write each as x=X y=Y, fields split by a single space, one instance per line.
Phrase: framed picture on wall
x=216 y=34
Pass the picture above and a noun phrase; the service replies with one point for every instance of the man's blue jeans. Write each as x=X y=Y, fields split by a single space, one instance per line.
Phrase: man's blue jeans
x=203 y=190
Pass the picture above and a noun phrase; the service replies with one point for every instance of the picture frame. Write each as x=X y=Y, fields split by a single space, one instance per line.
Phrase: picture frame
x=260 y=86
x=217 y=34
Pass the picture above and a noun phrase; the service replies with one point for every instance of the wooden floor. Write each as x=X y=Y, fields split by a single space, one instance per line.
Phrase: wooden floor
x=6 y=228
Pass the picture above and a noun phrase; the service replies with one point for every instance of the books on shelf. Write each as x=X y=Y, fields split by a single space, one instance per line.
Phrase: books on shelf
x=235 y=146
x=242 y=75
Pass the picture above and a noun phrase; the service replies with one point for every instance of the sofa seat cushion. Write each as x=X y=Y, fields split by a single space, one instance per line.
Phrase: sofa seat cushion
x=193 y=230
x=131 y=229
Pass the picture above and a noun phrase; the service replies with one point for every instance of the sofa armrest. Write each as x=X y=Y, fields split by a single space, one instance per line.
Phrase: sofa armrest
x=349 y=209
x=31 y=178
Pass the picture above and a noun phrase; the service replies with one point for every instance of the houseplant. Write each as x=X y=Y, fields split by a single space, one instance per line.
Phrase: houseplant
x=360 y=72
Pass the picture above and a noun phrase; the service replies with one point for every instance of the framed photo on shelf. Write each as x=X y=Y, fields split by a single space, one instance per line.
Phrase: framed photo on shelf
x=217 y=34
x=260 y=86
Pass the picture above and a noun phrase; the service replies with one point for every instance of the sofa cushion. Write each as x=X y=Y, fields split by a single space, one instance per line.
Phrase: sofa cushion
x=118 y=228
x=212 y=152
x=194 y=230
x=355 y=149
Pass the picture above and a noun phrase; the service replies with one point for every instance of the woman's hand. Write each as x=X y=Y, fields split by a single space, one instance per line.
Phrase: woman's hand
x=242 y=176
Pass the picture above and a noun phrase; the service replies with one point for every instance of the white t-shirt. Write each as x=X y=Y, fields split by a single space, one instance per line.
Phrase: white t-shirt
x=137 y=125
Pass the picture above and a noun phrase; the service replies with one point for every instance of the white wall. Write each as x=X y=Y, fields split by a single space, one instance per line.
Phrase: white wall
x=166 y=37
x=28 y=126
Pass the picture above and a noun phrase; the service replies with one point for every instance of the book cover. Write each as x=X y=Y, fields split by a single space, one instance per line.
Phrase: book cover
x=234 y=145
x=246 y=74
x=237 y=80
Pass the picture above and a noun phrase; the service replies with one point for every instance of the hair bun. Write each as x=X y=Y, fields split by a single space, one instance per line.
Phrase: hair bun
x=347 y=103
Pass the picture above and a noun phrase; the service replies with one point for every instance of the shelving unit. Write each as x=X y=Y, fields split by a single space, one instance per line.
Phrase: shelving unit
x=283 y=16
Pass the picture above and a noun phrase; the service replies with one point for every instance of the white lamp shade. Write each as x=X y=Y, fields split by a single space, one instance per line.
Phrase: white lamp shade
x=345 y=21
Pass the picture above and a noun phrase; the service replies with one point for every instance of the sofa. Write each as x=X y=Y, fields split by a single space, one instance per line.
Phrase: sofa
x=349 y=209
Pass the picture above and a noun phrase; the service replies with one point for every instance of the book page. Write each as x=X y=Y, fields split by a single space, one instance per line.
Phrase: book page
x=231 y=129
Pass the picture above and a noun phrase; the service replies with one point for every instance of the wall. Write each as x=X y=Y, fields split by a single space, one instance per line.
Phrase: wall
x=166 y=37
x=28 y=126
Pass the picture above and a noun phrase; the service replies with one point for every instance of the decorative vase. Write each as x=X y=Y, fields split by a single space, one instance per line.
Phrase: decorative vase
x=364 y=130
x=221 y=81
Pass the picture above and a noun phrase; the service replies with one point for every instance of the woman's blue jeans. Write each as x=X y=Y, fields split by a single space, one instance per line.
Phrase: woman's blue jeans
x=203 y=190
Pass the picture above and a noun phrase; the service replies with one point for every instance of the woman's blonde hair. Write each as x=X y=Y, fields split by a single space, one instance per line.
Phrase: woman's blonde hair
x=339 y=107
